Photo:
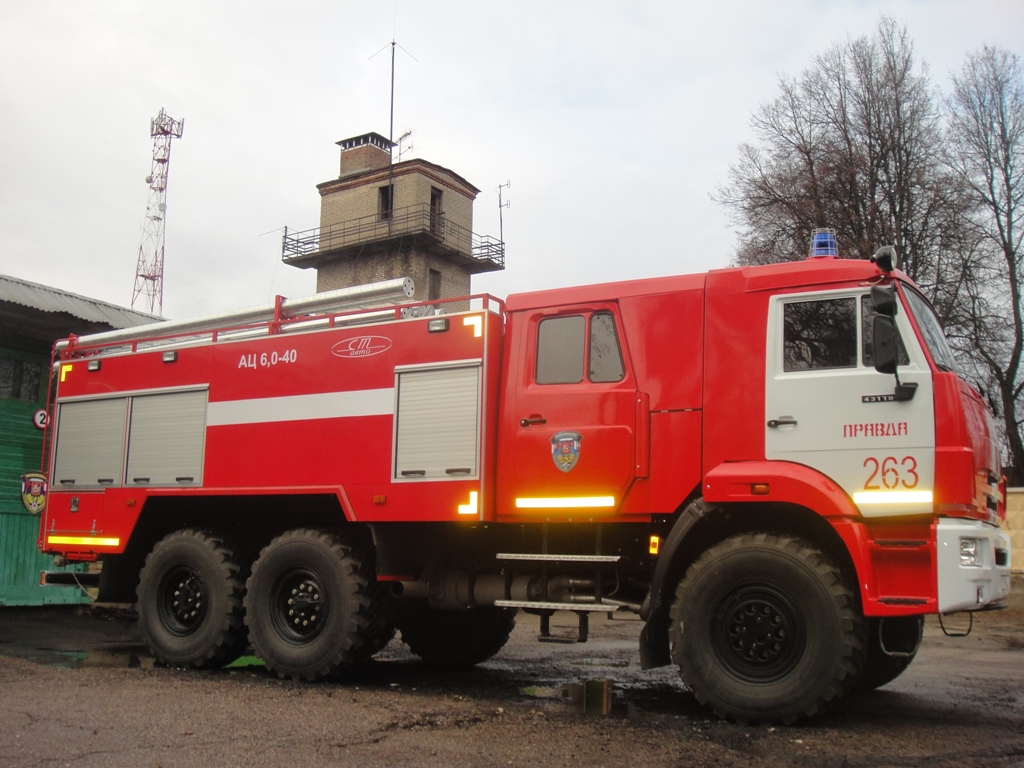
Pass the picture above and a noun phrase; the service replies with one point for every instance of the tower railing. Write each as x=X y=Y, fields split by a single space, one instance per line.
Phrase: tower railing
x=419 y=220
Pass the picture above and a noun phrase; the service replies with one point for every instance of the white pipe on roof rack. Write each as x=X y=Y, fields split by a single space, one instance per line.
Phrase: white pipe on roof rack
x=357 y=297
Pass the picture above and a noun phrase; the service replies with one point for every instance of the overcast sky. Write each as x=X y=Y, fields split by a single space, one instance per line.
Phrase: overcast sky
x=614 y=122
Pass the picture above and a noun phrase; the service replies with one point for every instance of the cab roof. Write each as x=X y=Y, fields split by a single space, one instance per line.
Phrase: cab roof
x=790 y=274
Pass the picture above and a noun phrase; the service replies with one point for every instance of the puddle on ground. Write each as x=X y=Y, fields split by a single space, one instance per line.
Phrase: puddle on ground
x=124 y=656
x=591 y=697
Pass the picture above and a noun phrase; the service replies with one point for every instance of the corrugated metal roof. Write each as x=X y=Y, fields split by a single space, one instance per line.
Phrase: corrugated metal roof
x=47 y=299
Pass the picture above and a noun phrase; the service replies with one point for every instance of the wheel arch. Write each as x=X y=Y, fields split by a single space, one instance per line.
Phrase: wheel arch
x=771 y=648
x=703 y=524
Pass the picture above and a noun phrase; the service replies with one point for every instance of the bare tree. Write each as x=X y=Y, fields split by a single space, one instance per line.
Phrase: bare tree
x=985 y=117
x=854 y=144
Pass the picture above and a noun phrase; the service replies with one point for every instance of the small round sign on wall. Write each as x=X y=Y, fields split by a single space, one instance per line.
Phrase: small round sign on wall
x=40 y=418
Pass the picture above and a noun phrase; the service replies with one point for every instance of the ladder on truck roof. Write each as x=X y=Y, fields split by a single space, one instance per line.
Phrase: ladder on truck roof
x=372 y=302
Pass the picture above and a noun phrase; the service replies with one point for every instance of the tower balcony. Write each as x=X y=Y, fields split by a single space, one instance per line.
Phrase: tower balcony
x=419 y=224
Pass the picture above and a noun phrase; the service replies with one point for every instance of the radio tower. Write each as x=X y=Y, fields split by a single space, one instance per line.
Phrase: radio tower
x=149 y=275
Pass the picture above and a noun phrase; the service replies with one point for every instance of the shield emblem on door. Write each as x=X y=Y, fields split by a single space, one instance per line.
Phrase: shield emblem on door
x=565 y=449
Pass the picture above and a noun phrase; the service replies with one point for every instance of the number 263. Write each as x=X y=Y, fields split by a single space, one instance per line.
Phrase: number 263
x=890 y=473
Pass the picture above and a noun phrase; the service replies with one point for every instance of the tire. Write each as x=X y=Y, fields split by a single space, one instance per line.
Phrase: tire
x=457 y=639
x=765 y=629
x=190 y=601
x=901 y=634
x=310 y=606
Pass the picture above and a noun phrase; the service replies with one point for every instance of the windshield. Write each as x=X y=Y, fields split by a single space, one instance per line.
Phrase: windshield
x=931 y=330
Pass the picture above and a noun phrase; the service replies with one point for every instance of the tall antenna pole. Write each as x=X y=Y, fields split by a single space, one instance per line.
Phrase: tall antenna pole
x=391 y=125
x=391 y=128
x=149 y=274
x=391 y=143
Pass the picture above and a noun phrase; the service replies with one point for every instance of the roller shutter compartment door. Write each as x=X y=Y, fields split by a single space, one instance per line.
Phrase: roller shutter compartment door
x=90 y=443
x=438 y=424
x=166 y=439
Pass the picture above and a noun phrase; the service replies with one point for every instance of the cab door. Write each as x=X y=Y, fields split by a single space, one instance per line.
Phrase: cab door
x=827 y=407
x=570 y=445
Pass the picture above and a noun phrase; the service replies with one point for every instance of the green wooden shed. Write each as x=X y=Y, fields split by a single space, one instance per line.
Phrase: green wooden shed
x=32 y=317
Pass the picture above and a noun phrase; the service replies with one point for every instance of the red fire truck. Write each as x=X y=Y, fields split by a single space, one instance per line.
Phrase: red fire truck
x=778 y=468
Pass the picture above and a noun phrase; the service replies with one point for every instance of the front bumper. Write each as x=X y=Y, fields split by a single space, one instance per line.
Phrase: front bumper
x=971 y=587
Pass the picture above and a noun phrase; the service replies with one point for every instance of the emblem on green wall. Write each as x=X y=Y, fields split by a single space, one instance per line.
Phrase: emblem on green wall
x=33 y=491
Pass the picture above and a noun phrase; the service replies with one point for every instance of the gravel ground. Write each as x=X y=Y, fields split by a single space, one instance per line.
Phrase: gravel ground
x=81 y=690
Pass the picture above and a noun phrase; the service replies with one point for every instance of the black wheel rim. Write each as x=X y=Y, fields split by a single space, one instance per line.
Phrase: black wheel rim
x=182 y=600
x=299 y=606
x=758 y=634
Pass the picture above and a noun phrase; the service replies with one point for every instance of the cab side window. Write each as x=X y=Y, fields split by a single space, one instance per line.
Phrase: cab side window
x=605 y=355
x=560 y=350
x=565 y=349
x=820 y=334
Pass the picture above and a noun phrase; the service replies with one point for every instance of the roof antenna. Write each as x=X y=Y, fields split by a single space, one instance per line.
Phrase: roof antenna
x=391 y=124
x=501 y=209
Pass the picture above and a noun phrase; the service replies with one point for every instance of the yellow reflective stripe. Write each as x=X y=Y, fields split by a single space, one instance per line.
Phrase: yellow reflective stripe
x=472 y=507
x=893 y=497
x=567 y=502
x=65 y=370
x=88 y=541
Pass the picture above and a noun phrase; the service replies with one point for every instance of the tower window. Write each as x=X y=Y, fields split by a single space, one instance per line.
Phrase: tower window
x=434 y=285
x=385 y=201
x=436 y=211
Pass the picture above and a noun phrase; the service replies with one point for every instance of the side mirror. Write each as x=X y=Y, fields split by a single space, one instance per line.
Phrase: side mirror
x=883 y=299
x=885 y=341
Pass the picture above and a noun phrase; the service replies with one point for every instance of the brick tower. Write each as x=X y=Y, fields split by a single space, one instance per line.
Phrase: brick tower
x=381 y=220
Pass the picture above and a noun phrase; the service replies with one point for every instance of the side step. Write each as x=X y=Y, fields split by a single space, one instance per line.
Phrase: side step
x=558 y=558
x=545 y=607
x=582 y=611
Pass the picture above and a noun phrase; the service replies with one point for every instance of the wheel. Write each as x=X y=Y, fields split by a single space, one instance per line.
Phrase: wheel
x=190 y=601
x=457 y=638
x=765 y=629
x=310 y=605
x=899 y=634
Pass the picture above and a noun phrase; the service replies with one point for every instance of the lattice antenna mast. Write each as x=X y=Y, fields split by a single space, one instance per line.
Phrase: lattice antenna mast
x=149 y=275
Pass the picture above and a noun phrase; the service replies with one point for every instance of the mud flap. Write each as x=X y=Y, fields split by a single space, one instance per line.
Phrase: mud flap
x=654 y=648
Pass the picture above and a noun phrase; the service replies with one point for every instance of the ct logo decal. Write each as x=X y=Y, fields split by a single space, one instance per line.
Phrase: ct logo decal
x=361 y=346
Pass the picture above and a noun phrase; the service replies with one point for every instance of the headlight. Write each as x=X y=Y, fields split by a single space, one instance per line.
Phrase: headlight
x=970 y=552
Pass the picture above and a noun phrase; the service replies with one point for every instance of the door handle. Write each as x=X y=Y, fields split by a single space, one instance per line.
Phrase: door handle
x=532 y=420
x=783 y=422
